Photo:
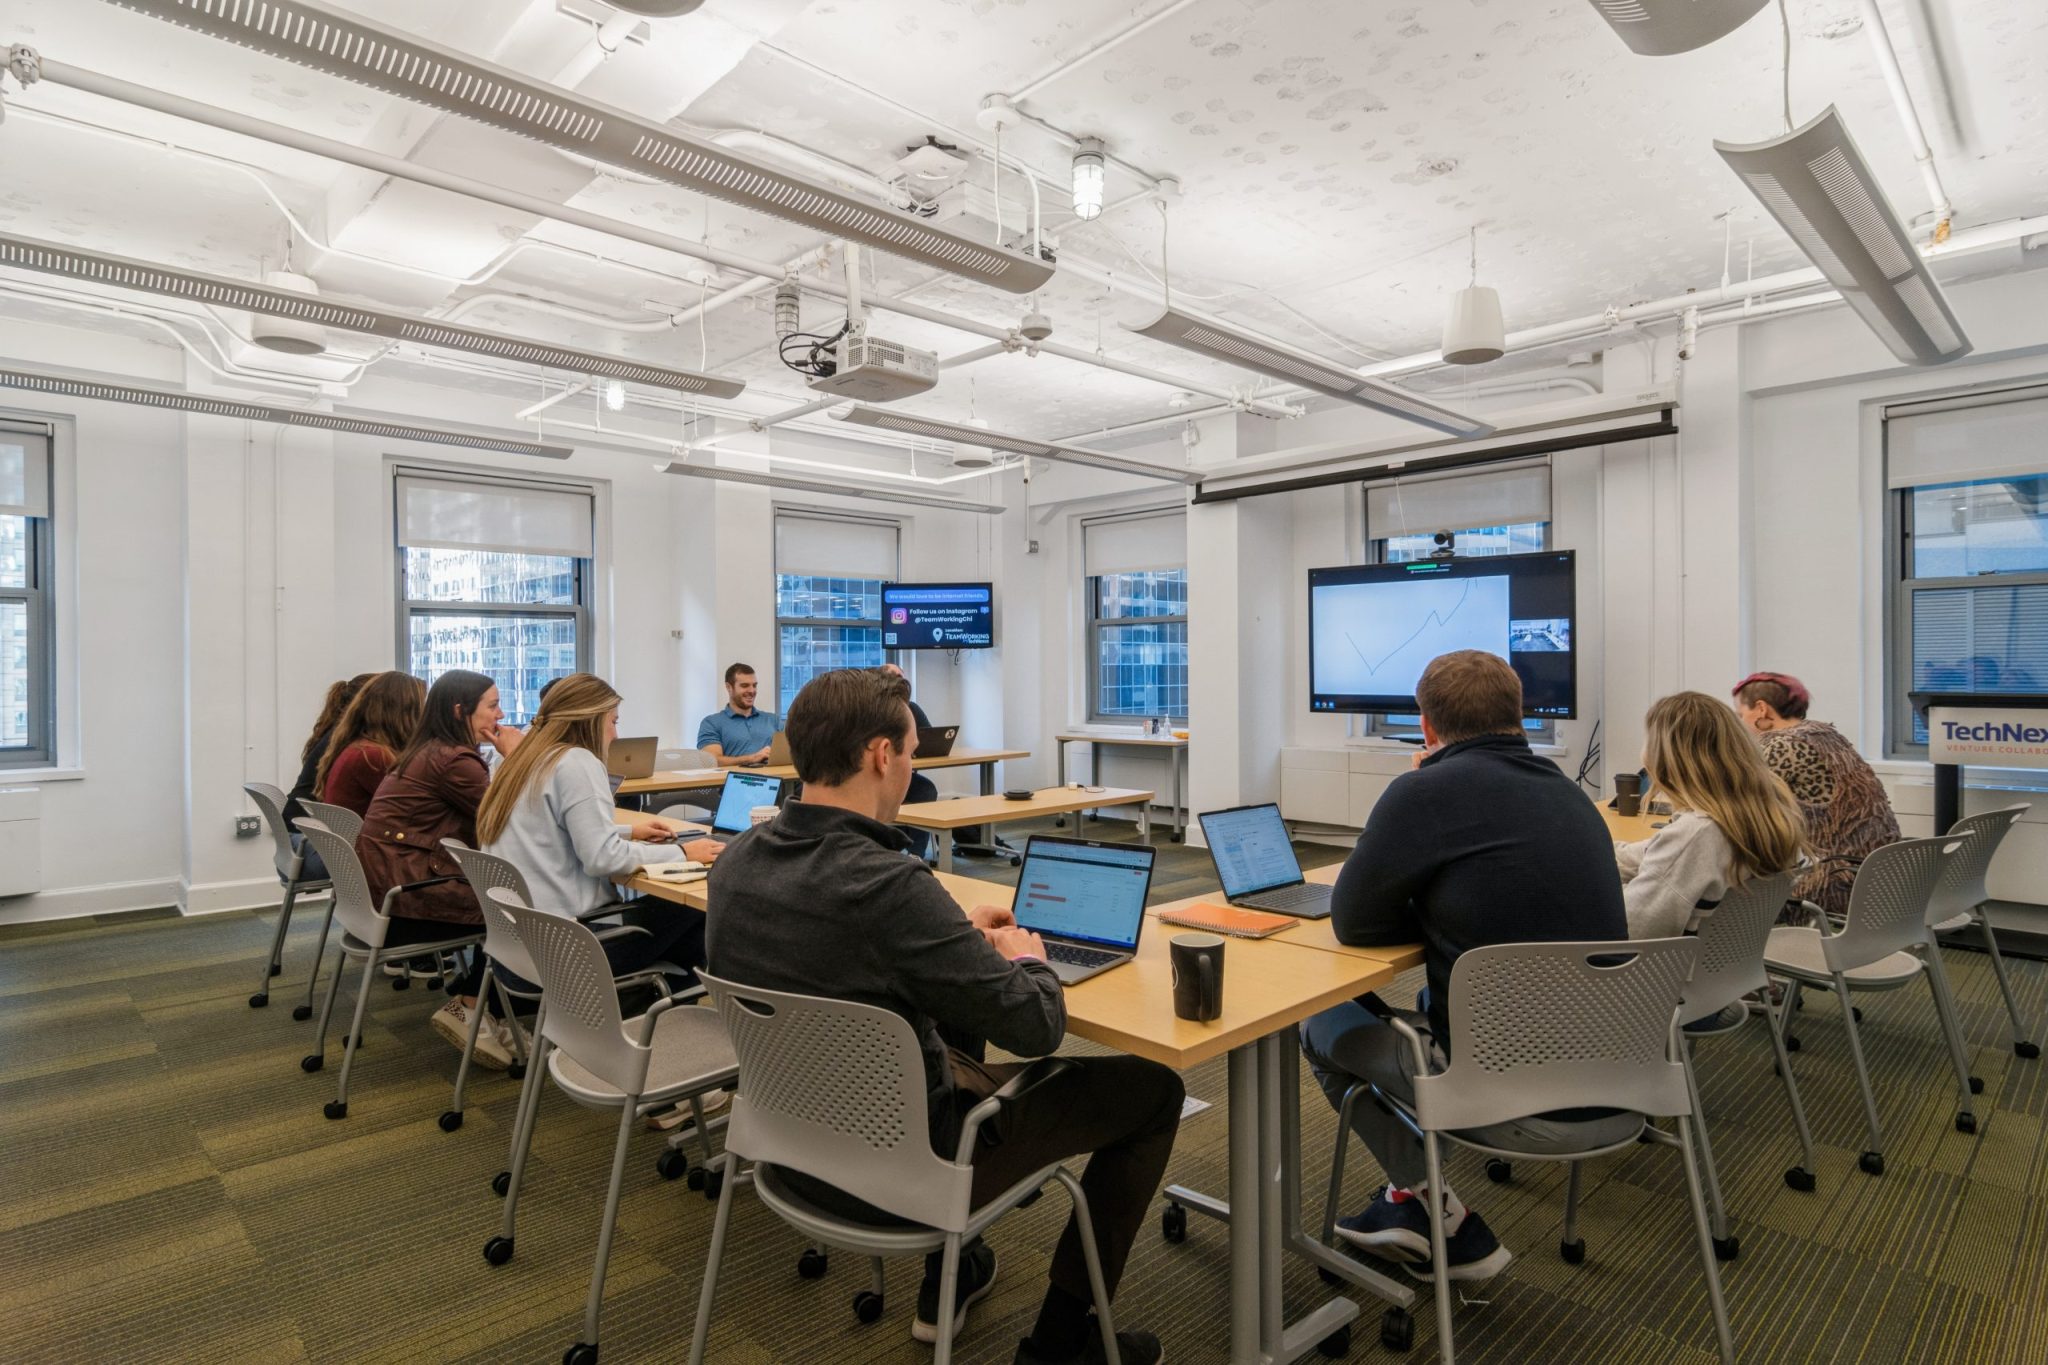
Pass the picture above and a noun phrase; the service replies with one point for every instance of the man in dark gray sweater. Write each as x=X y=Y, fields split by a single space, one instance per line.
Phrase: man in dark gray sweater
x=1485 y=842
x=823 y=900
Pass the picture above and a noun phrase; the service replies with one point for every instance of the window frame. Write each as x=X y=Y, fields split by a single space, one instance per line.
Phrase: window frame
x=581 y=613
x=38 y=599
x=1095 y=623
x=894 y=526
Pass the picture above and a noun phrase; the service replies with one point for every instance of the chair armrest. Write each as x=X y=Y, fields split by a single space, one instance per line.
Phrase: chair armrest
x=1032 y=1077
x=395 y=892
x=596 y=911
x=652 y=1018
x=1415 y=1042
x=620 y=931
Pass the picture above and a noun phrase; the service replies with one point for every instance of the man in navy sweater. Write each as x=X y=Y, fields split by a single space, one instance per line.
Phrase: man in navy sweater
x=1485 y=842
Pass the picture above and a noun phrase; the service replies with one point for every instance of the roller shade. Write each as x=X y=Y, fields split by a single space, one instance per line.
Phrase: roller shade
x=1458 y=502
x=835 y=547
x=1139 y=543
x=1965 y=440
x=452 y=514
x=24 y=475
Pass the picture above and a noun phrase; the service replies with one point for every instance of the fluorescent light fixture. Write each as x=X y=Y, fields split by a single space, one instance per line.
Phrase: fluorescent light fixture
x=1659 y=28
x=1088 y=159
x=80 y=384
x=960 y=433
x=217 y=291
x=1221 y=341
x=1817 y=185
x=398 y=63
x=835 y=489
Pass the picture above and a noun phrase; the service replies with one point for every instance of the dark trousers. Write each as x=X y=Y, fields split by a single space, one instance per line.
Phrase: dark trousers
x=1122 y=1112
x=407 y=929
x=675 y=934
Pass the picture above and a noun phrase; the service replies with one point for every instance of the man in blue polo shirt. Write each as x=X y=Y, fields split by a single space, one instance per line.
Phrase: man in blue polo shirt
x=739 y=735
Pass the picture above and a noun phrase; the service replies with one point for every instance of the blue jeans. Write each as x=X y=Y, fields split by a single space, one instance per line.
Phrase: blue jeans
x=311 y=869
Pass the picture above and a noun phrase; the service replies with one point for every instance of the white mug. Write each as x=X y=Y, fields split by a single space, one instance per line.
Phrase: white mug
x=761 y=815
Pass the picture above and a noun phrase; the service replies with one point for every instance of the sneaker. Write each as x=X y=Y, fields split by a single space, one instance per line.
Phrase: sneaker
x=670 y=1119
x=493 y=1044
x=1395 y=1227
x=451 y=1021
x=977 y=1278
x=1133 y=1348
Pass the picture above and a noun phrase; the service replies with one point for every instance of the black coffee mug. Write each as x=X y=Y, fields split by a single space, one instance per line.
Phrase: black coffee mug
x=1197 y=976
x=1628 y=793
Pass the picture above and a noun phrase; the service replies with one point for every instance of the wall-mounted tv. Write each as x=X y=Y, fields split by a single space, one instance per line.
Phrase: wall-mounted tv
x=938 y=616
x=1373 y=628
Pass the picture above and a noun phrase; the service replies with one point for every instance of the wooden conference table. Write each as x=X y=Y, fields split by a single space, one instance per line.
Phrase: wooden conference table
x=984 y=759
x=944 y=817
x=1176 y=763
x=1270 y=986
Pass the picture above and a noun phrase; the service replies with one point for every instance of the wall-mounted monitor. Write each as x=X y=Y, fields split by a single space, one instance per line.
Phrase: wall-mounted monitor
x=938 y=616
x=1373 y=628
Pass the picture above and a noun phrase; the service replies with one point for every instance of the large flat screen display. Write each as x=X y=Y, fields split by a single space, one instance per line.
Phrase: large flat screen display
x=938 y=616
x=1373 y=628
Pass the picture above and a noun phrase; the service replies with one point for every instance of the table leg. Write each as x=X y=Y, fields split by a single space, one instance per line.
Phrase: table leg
x=1244 y=1205
x=1180 y=811
x=988 y=777
x=1145 y=822
x=945 y=838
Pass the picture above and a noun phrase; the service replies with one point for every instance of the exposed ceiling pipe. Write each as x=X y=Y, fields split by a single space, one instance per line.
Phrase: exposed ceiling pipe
x=1902 y=99
x=1089 y=54
x=178 y=106
x=803 y=158
x=465 y=307
x=605 y=39
x=953 y=362
x=528 y=413
x=1507 y=386
x=801 y=410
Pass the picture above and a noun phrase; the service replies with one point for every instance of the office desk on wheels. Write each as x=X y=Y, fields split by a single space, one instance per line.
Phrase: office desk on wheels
x=943 y=817
x=1176 y=762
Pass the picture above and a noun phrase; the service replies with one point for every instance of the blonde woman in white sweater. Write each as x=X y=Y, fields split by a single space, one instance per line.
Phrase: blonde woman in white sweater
x=1735 y=819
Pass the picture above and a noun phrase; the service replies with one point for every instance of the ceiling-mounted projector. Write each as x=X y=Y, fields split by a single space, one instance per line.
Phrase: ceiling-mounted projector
x=877 y=371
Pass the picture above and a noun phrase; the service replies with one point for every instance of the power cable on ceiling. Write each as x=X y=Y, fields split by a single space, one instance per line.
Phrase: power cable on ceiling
x=1785 y=27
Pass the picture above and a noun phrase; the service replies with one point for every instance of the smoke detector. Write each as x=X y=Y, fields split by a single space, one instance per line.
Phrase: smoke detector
x=288 y=335
x=1035 y=326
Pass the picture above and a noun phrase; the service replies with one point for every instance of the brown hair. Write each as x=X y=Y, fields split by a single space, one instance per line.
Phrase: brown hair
x=445 y=716
x=338 y=697
x=1701 y=757
x=734 y=670
x=1782 y=692
x=384 y=714
x=571 y=716
x=1468 y=693
x=837 y=714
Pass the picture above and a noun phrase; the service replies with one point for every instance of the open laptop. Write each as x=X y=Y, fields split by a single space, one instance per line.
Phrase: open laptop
x=1256 y=863
x=1086 y=900
x=742 y=792
x=778 y=749
x=631 y=758
x=936 y=741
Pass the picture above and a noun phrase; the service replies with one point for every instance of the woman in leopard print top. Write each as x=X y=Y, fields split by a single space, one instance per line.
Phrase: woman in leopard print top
x=1847 y=813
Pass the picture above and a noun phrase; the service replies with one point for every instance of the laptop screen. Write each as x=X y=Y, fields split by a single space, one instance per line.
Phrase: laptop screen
x=1081 y=891
x=743 y=792
x=1251 y=849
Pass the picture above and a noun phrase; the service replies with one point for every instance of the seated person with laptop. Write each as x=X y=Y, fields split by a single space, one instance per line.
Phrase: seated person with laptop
x=737 y=801
x=822 y=901
x=1485 y=842
x=739 y=735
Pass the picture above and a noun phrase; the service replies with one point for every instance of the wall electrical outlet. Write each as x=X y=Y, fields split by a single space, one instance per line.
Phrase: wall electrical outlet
x=247 y=826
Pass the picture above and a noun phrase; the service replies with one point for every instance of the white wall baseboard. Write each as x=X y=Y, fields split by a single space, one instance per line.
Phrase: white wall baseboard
x=76 y=902
x=216 y=898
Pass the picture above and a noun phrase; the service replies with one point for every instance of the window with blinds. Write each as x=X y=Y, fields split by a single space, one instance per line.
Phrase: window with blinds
x=1968 y=483
x=1135 y=582
x=494 y=576
x=28 y=678
x=829 y=572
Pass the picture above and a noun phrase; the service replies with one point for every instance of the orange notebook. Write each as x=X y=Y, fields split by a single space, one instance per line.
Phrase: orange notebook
x=1228 y=919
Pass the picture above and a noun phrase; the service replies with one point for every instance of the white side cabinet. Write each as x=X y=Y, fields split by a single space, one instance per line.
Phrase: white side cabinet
x=21 y=840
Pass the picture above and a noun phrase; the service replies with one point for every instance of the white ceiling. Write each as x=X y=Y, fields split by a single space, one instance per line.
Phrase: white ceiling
x=1334 y=155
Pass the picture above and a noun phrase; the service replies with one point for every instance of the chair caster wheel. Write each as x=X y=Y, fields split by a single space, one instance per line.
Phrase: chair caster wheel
x=1330 y=1277
x=2026 y=1050
x=813 y=1264
x=451 y=1119
x=867 y=1306
x=1727 y=1248
x=1800 y=1179
x=1337 y=1345
x=335 y=1109
x=714 y=1182
x=1791 y=1043
x=1173 y=1223
x=1574 y=1252
x=498 y=1250
x=1872 y=1163
x=698 y=1175
x=1856 y=1013
x=673 y=1165
x=1180 y=838
x=259 y=1000
x=517 y=1071
x=1498 y=1171
x=312 y=1063
x=1976 y=1085
x=1966 y=1123
x=302 y=1012
x=401 y=983
x=1397 y=1330
x=582 y=1353
x=500 y=1183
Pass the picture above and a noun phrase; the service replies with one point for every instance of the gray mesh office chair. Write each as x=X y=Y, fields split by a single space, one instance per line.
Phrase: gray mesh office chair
x=836 y=1090
x=1546 y=1026
x=270 y=801
x=1959 y=899
x=1875 y=950
x=364 y=925
x=348 y=825
x=602 y=1061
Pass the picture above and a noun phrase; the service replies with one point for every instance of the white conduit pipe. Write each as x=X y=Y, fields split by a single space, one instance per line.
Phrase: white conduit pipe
x=1091 y=53
x=177 y=106
x=1895 y=81
x=805 y=410
x=475 y=301
x=970 y=357
x=534 y=410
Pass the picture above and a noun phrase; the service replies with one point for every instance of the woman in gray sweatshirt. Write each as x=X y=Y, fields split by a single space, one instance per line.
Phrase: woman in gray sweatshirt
x=1735 y=818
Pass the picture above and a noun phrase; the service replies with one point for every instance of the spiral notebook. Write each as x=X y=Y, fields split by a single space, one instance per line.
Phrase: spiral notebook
x=1228 y=919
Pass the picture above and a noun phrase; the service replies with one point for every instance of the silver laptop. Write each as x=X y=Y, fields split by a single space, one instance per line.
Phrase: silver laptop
x=1086 y=900
x=1255 y=862
x=631 y=758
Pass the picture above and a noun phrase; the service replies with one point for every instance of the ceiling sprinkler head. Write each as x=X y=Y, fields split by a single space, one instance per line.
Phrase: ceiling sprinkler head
x=1036 y=326
x=1181 y=401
